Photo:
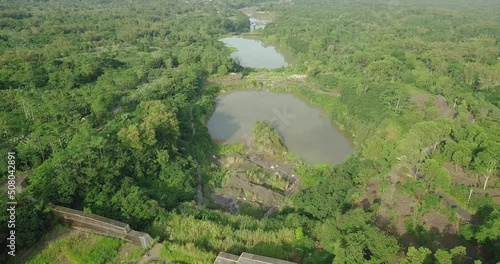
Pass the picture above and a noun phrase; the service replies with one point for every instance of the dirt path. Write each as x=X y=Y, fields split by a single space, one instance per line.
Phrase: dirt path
x=461 y=211
x=319 y=90
x=153 y=255
x=282 y=80
x=20 y=178
x=270 y=212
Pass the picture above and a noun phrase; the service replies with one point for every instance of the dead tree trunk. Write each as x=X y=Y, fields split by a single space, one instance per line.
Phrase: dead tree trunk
x=486 y=181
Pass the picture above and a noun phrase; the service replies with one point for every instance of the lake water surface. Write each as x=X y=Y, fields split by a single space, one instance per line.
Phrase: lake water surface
x=306 y=130
x=255 y=54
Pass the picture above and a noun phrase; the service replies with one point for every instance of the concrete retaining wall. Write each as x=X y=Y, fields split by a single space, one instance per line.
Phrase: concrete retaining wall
x=101 y=225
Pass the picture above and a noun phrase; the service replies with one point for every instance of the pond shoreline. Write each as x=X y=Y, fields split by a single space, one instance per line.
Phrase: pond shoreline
x=292 y=84
x=306 y=130
x=299 y=88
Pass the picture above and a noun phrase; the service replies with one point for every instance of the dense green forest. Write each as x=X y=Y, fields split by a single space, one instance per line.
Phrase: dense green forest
x=106 y=102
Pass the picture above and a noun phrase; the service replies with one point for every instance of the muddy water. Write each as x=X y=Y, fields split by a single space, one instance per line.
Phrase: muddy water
x=255 y=54
x=306 y=130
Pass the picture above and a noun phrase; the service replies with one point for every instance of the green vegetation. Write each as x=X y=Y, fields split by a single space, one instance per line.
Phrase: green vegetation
x=79 y=248
x=202 y=230
x=135 y=254
x=262 y=177
x=267 y=140
x=423 y=255
x=230 y=148
x=107 y=103
x=186 y=253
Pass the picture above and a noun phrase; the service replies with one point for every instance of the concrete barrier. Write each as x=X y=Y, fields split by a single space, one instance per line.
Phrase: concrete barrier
x=96 y=224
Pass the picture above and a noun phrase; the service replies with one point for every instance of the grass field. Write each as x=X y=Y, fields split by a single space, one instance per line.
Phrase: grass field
x=78 y=247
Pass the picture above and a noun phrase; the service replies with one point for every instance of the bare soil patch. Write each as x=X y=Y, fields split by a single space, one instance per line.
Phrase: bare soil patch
x=437 y=221
x=493 y=193
x=460 y=176
x=444 y=231
x=439 y=102
x=253 y=11
x=435 y=229
x=444 y=109
x=404 y=204
x=420 y=99
x=153 y=255
x=249 y=10
x=371 y=195
x=372 y=190
x=242 y=188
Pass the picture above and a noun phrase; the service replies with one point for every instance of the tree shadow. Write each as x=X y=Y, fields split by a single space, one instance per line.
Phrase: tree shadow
x=222 y=126
x=245 y=71
x=417 y=235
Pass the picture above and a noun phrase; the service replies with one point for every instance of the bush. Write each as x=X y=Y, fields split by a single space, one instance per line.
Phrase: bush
x=80 y=248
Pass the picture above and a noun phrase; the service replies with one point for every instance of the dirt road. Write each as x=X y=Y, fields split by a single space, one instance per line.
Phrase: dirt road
x=461 y=211
x=153 y=255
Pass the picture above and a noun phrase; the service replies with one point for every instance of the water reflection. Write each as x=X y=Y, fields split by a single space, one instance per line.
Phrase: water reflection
x=305 y=130
x=255 y=54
